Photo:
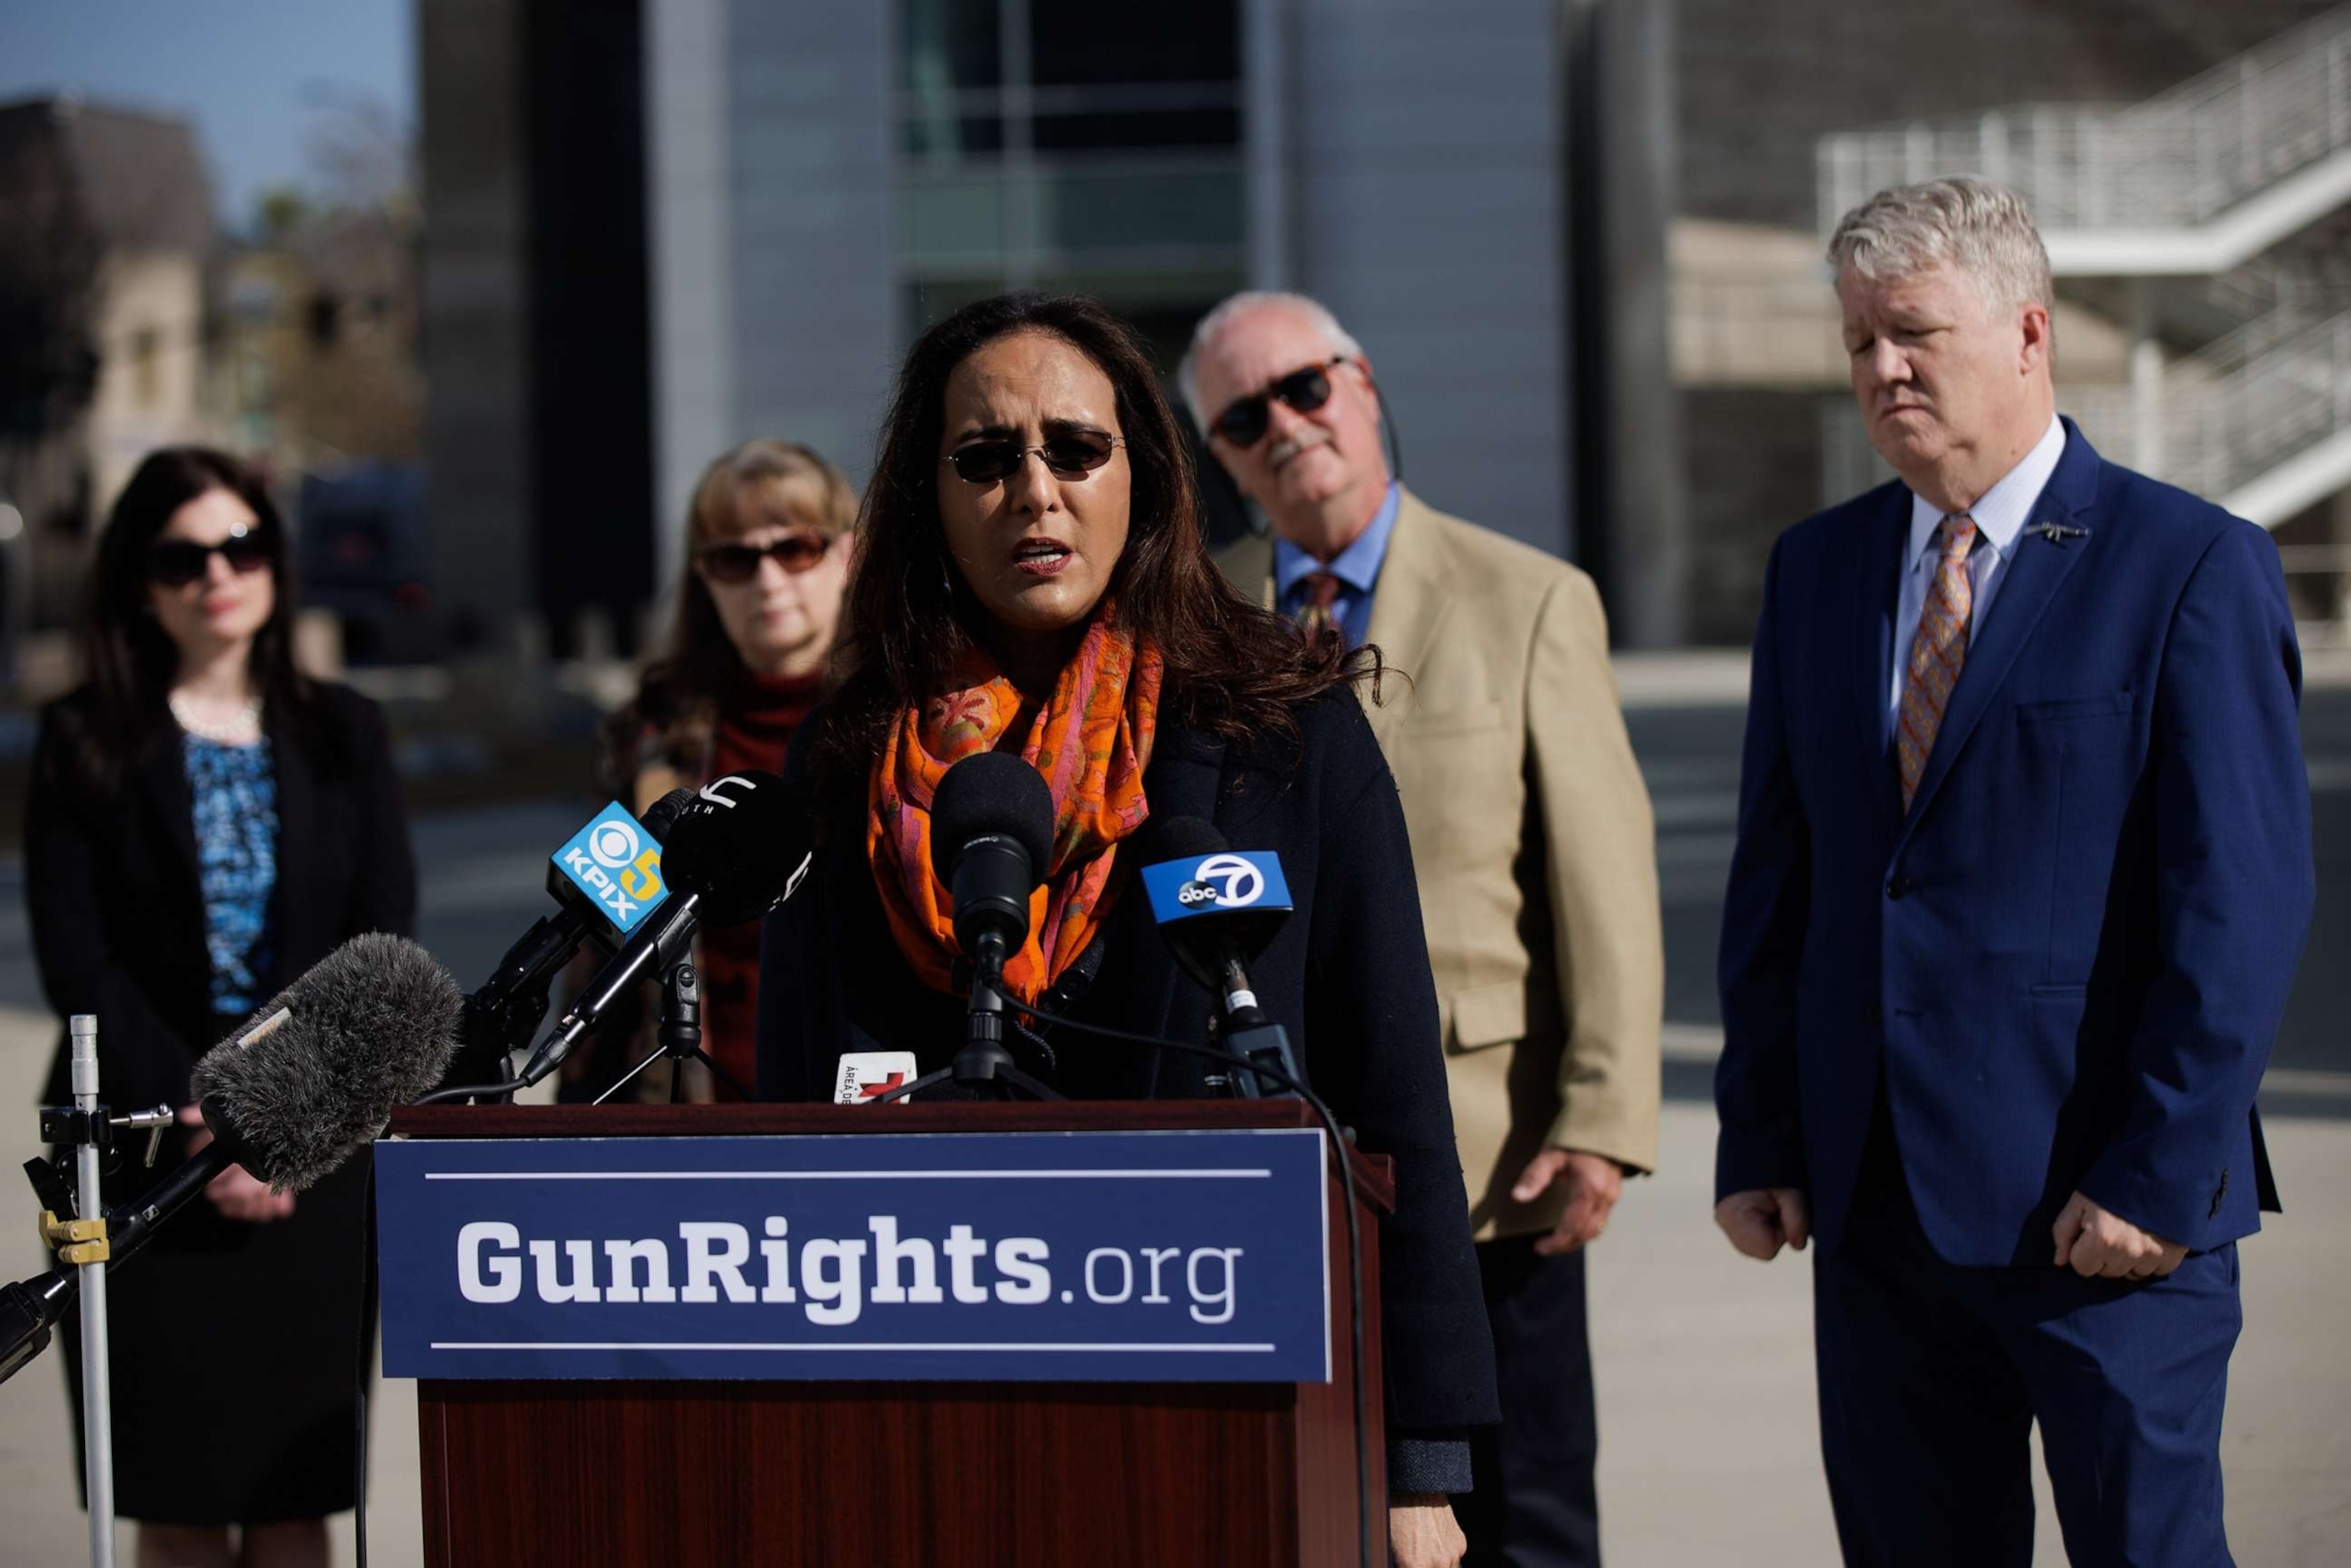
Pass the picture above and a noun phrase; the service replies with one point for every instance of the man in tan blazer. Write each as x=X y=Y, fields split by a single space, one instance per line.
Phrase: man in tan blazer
x=1531 y=840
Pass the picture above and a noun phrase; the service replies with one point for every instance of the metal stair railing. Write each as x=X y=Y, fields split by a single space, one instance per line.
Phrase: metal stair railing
x=2237 y=410
x=2178 y=160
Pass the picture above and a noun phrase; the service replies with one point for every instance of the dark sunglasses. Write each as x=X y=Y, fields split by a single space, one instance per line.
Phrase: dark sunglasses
x=733 y=563
x=1067 y=454
x=175 y=563
x=1244 y=422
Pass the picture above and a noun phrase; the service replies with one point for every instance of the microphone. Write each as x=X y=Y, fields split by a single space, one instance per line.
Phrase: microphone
x=312 y=1075
x=606 y=879
x=991 y=839
x=1217 y=909
x=741 y=847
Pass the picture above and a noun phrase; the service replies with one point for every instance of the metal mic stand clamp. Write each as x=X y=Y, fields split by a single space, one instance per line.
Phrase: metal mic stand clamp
x=982 y=1063
x=680 y=1036
x=82 y=1241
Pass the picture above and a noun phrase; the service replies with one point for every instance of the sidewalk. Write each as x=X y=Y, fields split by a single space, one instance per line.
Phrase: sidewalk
x=1704 y=1361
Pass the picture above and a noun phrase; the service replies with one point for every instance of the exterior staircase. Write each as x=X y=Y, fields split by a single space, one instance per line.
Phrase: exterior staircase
x=2233 y=189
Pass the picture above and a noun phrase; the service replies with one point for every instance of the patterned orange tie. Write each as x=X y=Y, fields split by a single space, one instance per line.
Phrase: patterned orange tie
x=1314 y=617
x=1936 y=652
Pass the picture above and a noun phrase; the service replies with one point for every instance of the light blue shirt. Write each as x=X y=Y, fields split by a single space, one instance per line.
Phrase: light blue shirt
x=1357 y=569
x=2001 y=516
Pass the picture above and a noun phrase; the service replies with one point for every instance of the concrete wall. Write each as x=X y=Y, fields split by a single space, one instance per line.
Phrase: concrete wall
x=477 y=342
x=807 y=99
x=1425 y=207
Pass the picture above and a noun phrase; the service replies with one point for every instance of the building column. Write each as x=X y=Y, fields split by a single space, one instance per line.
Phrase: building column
x=1632 y=511
x=1265 y=64
x=690 y=235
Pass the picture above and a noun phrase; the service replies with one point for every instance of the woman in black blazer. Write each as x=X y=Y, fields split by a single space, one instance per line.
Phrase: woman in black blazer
x=1030 y=579
x=203 y=824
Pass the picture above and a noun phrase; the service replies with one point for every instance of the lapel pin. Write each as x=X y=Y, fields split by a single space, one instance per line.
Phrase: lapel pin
x=2058 y=533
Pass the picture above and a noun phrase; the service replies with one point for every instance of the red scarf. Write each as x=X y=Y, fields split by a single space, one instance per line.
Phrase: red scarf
x=1090 y=739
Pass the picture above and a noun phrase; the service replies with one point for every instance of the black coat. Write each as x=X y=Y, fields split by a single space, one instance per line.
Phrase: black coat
x=117 y=912
x=1347 y=975
x=117 y=918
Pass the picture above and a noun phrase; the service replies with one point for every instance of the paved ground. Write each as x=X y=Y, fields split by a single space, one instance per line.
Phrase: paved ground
x=1704 y=1359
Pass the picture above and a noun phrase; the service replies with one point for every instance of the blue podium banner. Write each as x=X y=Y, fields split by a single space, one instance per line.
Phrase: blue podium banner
x=1189 y=1257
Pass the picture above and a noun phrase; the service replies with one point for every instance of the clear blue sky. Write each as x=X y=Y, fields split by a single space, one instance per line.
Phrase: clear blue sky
x=246 y=72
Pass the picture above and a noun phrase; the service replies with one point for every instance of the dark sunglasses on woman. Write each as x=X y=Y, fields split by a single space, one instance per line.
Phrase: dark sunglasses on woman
x=1244 y=422
x=739 y=562
x=1067 y=455
x=175 y=563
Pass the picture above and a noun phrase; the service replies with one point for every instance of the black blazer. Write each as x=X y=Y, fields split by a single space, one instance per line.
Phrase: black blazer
x=117 y=912
x=1347 y=975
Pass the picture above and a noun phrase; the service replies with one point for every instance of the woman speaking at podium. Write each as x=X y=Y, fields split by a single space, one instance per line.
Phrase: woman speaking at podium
x=1031 y=578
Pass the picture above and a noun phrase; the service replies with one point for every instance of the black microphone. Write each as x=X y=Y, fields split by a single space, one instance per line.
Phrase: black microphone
x=740 y=848
x=991 y=840
x=505 y=1011
x=1218 y=910
x=314 y=1074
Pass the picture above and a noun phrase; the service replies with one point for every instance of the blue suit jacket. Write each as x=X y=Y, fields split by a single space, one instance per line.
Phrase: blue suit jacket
x=2068 y=960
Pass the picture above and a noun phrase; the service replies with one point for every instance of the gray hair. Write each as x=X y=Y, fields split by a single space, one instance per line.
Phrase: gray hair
x=1216 y=322
x=1971 y=225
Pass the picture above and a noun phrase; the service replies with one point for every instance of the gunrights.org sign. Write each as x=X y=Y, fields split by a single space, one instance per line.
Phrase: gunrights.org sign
x=1145 y=1255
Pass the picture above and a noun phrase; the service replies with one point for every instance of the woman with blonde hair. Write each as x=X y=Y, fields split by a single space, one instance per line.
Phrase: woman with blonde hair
x=766 y=560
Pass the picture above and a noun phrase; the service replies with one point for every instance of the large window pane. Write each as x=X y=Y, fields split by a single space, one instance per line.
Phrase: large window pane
x=947 y=44
x=951 y=136
x=1155 y=128
x=1077 y=41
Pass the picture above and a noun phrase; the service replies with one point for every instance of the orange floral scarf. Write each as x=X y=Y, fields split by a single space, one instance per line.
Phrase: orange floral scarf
x=1091 y=740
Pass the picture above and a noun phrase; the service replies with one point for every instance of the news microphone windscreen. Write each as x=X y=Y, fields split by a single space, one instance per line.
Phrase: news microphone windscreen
x=742 y=844
x=991 y=792
x=1179 y=839
x=318 y=1070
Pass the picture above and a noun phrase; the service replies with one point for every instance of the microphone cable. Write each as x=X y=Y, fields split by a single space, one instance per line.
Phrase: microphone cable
x=1341 y=1147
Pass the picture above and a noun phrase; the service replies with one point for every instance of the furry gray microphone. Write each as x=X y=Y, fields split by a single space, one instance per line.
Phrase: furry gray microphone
x=318 y=1070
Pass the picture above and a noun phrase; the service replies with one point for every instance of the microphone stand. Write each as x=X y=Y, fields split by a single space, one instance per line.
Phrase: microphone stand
x=983 y=1063
x=97 y=1384
x=680 y=1036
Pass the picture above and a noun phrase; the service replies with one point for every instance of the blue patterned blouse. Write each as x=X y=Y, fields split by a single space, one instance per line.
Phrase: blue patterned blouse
x=235 y=792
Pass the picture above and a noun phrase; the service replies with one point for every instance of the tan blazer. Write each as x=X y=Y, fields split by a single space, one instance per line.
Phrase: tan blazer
x=1533 y=843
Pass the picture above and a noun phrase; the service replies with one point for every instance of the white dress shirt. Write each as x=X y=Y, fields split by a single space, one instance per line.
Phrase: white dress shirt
x=2000 y=518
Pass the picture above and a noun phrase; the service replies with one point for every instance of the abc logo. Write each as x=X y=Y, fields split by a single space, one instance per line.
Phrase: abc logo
x=1230 y=881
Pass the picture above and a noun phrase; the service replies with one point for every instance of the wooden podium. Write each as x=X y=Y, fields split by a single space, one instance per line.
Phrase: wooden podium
x=919 y=1474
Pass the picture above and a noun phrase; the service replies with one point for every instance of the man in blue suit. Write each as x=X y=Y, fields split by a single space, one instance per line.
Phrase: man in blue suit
x=2024 y=871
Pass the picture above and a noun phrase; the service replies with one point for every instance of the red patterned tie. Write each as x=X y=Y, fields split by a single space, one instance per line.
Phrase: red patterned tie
x=1936 y=652
x=1314 y=617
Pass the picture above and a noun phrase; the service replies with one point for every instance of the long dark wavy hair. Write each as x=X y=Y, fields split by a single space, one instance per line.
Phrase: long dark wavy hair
x=131 y=661
x=682 y=691
x=1232 y=668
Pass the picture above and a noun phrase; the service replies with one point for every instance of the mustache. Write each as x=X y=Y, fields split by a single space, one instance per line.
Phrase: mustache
x=1289 y=446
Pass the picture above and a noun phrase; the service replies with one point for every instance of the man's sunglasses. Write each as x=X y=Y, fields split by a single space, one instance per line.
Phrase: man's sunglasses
x=737 y=563
x=1244 y=422
x=1067 y=455
x=175 y=563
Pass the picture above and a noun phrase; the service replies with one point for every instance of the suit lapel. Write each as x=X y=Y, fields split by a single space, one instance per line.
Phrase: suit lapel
x=2028 y=585
x=1878 y=590
x=1183 y=780
x=163 y=780
x=1409 y=604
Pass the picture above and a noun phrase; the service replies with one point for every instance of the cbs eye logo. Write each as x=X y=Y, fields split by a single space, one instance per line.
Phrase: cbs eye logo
x=1224 y=881
x=614 y=845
